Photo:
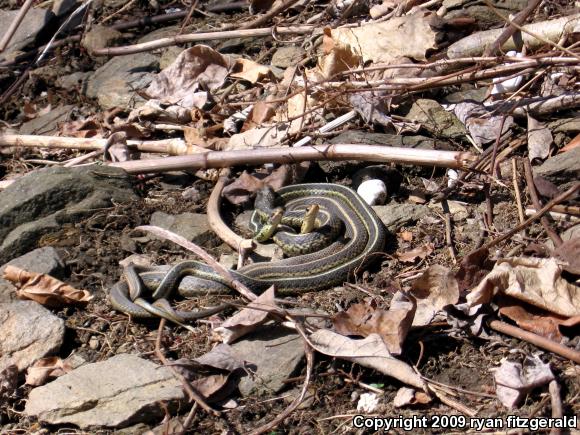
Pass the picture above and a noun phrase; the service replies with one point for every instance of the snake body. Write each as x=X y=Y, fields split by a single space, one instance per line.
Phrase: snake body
x=364 y=235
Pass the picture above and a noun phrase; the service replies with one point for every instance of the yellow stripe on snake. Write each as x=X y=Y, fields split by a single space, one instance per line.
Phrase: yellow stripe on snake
x=364 y=236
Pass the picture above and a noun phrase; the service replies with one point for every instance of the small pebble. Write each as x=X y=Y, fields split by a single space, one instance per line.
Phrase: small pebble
x=374 y=192
x=94 y=343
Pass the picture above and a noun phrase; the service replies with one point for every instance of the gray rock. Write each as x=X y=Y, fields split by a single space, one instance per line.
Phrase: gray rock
x=28 y=331
x=565 y=125
x=99 y=37
x=114 y=84
x=193 y=226
x=276 y=352
x=73 y=81
x=47 y=123
x=118 y=392
x=33 y=22
x=42 y=260
x=43 y=200
x=288 y=55
x=562 y=169
x=435 y=119
x=471 y=94
x=395 y=216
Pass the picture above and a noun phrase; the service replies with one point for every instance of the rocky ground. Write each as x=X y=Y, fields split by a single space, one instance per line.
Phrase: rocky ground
x=432 y=308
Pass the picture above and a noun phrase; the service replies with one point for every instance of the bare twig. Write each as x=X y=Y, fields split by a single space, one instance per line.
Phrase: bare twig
x=197 y=37
x=224 y=159
x=562 y=197
x=517 y=193
x=556 y=402
x=536 y=201
x=14 y=25
x=536 y=340
x=216 y=223
x=193 y=395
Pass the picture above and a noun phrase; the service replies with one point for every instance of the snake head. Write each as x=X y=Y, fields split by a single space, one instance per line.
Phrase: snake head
x=269 y=228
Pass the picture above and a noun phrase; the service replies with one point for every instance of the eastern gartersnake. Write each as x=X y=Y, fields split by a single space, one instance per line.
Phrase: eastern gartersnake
x=364 y=235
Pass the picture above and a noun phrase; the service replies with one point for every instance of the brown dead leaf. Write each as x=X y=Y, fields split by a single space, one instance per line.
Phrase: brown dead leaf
x=407 y=396
x=44 y=289
x=411 y=35
x=210 y=385
x=221 y=357
x=365 y=319
x=435 y=289
x=258 y=138
x=569 y=252
x=195 y=70
x=483 y=126
x=370 y=352
x=537 y=281
x=248 y=319
x=574 y=143
x=538 y=321
x=473 y=267
x=246 y=185
x=45 y=368
x=416 y=253
x=251 y=71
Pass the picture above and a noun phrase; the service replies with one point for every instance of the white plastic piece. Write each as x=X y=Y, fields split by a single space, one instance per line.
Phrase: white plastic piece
x=452 y=176
x=367 y=403
x=373 y=192
x=501 y=85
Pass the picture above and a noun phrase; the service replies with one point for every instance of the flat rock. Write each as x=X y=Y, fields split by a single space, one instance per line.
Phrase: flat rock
x=47 y=124
x=435 y=119
x=395 y=216
x=33 y=22
x=563 y=169
x=28 y=331
x=43 y=200
x=288 y=55
x=193 y=226
x=114 y=83
x=276 y=352
x=42 y=260
x=118 y=392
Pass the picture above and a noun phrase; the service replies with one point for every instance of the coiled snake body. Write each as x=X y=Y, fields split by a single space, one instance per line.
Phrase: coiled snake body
x=364 y=236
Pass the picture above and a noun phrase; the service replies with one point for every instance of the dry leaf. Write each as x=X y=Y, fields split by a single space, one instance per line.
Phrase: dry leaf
x=538 y=321
x=569 y=252
x=392 y=325
x=258 y=138
x=411 y=36
x=539 y=140
x=406 y=236
x=483 y=126
x=44 y=368
x=473 y=267
x=248 y=319
x=44 y=289
x=221 y=357
x=514 y=382
x=537 y=281
x=419 y=252
x=198 y=68
x=251 y=71
x=210 y=385
x=435 y=289
x=407 y=396
x=370 y=352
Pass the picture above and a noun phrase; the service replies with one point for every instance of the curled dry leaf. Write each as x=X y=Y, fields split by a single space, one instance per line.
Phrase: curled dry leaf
x=538 y=321
x=416 y=253
x=537 y=281
x=435 y=289
x=483 y=126
x=246 y=185
x=514 y=382
x=365 y=319
x=44 y=289
x=221 y=357
x=210 y=385
x=407 y=396
x=45 y=368
x=251 y=71
x=539 y=140
x=569 y=252
x=244 y=322
x=370 y=352
x=195 y=69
